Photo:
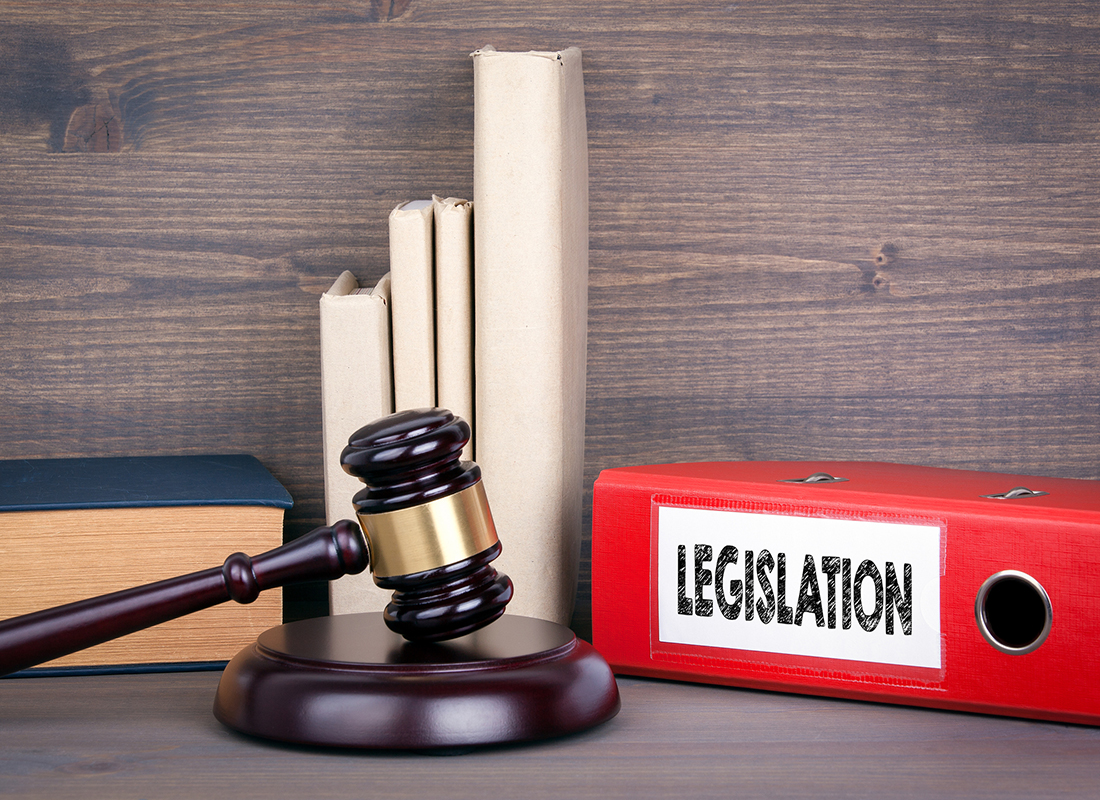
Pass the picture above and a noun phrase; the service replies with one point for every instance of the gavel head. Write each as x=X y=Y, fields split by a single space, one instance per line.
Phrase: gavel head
x=427 y=524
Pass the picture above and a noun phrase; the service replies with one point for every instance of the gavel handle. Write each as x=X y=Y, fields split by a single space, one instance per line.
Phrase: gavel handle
x=322 y=554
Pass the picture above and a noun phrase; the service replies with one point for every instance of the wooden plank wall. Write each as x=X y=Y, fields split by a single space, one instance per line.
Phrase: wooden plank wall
x=848 y=230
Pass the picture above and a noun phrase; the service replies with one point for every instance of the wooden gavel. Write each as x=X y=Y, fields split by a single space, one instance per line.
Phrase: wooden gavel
x=427 y=535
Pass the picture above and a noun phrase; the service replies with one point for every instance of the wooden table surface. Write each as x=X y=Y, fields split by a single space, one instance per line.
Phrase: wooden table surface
x=154 y=736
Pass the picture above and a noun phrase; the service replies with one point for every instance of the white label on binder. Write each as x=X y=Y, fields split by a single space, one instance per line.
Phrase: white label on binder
x=857 y=590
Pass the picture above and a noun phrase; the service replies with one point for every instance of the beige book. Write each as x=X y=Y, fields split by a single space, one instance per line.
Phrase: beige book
x=454 y=311
x=530 y=315
x=356 y=388
x=412 y=304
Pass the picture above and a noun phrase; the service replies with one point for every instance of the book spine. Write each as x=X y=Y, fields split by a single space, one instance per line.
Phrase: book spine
x=356 y=388
x=412 y=298
x=454 y=312
x=530 y=297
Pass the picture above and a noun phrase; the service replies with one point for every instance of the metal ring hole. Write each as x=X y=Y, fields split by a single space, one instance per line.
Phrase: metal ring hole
x=1015 y=494
x=1013 y=612
x=817 y=477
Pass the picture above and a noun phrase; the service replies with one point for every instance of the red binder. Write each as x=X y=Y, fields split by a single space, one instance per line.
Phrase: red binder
x=971 y=591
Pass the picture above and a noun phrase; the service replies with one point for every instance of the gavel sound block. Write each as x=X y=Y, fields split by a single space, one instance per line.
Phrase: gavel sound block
x=440 y=668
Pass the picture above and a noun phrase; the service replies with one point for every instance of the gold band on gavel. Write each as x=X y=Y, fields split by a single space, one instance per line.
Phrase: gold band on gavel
x=430 y=535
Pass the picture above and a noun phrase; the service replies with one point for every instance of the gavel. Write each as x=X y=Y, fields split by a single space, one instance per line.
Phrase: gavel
x=427 y=535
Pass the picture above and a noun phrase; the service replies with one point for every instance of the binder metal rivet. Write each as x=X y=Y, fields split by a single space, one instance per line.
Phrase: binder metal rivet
x=817 y=477
x=1013 y=612
x=1018 y=493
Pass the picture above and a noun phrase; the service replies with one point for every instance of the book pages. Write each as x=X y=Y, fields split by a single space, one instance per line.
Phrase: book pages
x=412 y=301
x=530 y=290
x=454 y=312
x=356 y=388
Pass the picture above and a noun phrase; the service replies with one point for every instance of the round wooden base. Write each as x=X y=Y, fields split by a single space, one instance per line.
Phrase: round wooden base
x=348 y=681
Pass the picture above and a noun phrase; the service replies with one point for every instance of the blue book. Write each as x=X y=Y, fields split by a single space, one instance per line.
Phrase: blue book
x=74 y=528
x=49 y=484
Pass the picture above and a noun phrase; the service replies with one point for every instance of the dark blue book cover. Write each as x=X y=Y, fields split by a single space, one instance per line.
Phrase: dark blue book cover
x=137 y=482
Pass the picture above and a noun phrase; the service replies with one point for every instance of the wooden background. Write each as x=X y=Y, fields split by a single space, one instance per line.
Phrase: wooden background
x=857 y=230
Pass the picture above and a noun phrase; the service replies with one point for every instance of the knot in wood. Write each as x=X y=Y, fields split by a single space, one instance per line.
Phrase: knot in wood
x=885 y=255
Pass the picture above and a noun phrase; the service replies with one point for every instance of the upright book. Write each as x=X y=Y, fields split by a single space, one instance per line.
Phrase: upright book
x=356 y=388
x=972 y=591
x=76 y=528
x=530 y=315
x=412 y=304
x=454 y=309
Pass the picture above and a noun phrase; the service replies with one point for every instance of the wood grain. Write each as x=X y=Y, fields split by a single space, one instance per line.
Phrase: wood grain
x=155 y=736
x=845 y=230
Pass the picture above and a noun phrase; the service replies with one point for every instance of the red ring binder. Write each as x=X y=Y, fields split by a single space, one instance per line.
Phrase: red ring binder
x=903 y=584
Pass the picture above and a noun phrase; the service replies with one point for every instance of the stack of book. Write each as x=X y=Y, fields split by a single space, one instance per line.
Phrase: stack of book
x=484 y=312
